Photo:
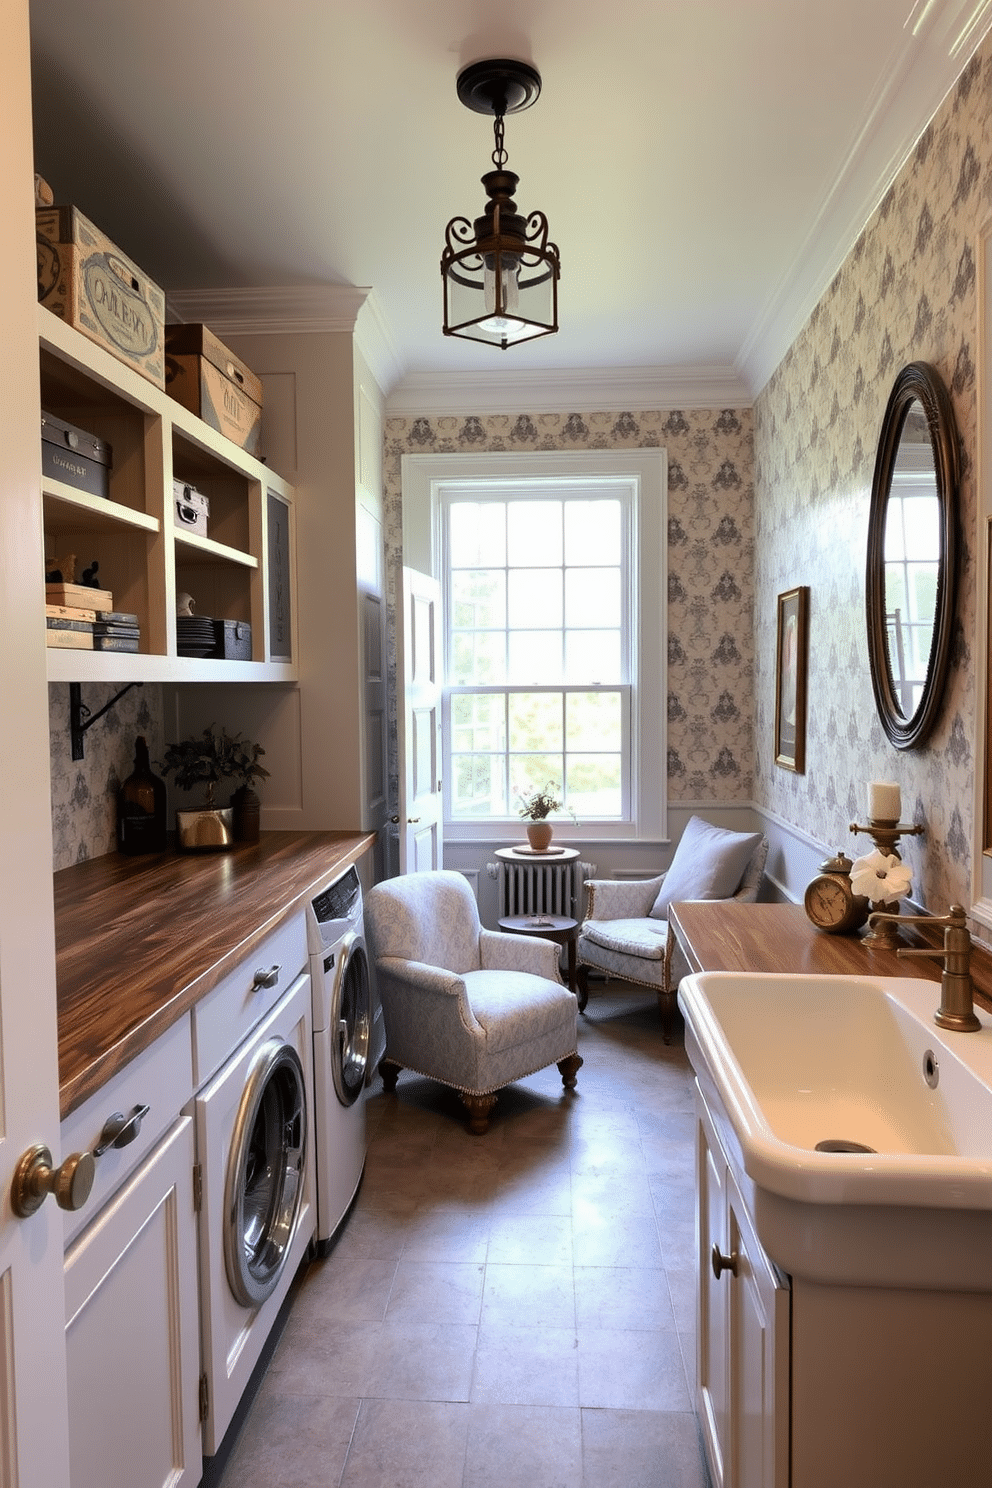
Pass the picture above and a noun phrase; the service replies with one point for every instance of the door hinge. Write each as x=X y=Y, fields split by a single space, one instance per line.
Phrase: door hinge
x=197 y=1187
x=204 y=1397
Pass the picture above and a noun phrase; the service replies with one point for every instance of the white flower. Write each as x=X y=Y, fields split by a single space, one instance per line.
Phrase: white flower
x=879 y=878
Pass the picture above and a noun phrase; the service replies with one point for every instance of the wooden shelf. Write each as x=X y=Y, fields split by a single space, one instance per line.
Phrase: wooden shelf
x=146 y=558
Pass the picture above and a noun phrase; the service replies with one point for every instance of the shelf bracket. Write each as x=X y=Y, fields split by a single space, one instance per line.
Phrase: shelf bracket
x=80 y=717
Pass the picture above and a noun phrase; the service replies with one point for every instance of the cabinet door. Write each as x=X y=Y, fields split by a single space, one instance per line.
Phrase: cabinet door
x=758 y=1356
x=712 y=1301
x=742 y=1336
x=132 y=1333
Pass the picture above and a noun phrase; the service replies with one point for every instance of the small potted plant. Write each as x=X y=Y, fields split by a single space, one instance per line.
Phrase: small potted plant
x=536 y=809
x=205 y=760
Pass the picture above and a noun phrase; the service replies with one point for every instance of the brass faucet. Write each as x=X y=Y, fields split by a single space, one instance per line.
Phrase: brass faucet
x=957 y=1008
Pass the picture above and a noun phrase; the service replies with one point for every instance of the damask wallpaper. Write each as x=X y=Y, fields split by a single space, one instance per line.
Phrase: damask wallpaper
x=710 y=556
x=84 y=792
x=907 y=292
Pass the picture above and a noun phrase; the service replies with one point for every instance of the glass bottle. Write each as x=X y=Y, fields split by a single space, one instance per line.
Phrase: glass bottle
x=141 y=807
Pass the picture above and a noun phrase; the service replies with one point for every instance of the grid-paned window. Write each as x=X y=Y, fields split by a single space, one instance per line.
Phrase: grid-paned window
x=540 y=595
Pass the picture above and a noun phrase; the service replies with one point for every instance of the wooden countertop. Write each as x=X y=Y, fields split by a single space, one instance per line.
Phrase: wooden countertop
x=139 y=940
x=728 y=936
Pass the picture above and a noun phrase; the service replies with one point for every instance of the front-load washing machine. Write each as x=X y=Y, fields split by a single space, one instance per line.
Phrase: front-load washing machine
x=344 y=1042
x=258 y=1205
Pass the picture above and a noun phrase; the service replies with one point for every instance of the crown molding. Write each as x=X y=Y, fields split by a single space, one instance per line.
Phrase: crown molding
x=300 y=310
x=273 y=310
x=599 y=389
x=937 y=42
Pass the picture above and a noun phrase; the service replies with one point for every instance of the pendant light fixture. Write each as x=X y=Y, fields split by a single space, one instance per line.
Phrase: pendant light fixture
x=500 y=273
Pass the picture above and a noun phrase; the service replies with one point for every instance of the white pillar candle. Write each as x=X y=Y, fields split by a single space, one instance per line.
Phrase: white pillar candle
x=884 y=800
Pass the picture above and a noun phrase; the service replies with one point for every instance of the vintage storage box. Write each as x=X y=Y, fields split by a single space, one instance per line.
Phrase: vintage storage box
x=74 y=456
x=233 y=640
x=86 y=280
x=192 y=508
x=208 y=379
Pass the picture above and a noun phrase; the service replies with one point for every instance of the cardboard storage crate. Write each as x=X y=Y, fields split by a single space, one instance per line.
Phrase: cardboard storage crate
x=208 y=379
x=86 y=280
x=75 y=456
x=192 y=508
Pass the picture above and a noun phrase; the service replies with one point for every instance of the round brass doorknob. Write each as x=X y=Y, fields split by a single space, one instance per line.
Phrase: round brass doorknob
x=723 y=1263
x=35 y=1179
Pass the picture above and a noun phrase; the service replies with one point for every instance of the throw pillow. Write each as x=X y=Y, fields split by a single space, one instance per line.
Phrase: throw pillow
x=709 y=863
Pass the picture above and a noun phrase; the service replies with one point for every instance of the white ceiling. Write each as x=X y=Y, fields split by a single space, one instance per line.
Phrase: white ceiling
x=704 y=166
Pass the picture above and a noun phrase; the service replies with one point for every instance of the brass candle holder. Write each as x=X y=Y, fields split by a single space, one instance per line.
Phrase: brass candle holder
x=885 y=834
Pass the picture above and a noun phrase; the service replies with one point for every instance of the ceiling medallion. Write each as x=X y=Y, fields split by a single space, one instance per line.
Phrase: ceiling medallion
x=500 y=273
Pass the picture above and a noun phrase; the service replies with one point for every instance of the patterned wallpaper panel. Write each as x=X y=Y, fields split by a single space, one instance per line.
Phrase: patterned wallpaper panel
x=907 y=292
x=84 y=792
x=710 y=565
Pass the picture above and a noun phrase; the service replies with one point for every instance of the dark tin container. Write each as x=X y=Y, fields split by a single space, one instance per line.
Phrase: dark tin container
x=74 y=456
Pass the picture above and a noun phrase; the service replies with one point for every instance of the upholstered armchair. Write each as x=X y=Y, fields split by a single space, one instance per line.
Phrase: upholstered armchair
x=469 y=1007
x=626 y=932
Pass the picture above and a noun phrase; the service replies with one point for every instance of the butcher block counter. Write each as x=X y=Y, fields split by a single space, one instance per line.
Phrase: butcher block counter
x=139 y=940
x=729 y=936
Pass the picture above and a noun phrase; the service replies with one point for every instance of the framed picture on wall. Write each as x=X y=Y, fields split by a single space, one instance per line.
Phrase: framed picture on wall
x=790 y=679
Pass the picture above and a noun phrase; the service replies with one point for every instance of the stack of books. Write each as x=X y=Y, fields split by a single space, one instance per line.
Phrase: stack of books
x=78 y=618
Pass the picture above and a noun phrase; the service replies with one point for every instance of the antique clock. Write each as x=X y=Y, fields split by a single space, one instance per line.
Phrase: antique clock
x=831 y=903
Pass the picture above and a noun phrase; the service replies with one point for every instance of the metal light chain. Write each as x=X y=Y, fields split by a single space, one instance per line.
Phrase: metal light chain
x=499 y=154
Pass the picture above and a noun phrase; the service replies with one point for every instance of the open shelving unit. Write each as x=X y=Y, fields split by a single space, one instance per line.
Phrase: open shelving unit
x=243 y=570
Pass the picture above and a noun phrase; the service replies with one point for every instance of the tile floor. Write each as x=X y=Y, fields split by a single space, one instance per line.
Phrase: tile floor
x=506 y=1311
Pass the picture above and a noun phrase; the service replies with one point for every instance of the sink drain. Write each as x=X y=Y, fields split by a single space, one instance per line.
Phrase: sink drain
x=841 y=1144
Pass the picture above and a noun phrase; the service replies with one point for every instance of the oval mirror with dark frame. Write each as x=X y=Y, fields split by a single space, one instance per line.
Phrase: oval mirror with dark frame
x=912 y=554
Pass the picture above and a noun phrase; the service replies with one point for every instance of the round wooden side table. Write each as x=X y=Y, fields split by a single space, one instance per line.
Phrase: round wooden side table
x=559 y=928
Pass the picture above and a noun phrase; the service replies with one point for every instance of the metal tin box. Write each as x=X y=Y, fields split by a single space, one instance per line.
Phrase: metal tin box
x=233 y=640
x=192 y=508
x=86 y=280
x=206 y=377
x=74 y=456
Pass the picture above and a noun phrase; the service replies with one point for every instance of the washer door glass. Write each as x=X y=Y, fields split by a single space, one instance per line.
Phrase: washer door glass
x=265 y=1173
x=351 y=1021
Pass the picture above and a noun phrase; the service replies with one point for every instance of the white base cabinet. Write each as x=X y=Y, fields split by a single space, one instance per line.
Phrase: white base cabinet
x=815 y=1385
x=132 y=1330
x=742 y=1334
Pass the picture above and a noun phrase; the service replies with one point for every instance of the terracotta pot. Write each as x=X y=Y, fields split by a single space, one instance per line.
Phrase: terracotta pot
x=539 y=835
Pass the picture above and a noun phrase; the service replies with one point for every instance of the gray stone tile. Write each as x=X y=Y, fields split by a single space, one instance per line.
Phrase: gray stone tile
x=623 y=1297
x=641 y=1449
x=631 y=1370
x=526 y=1366
x=523 y=1446
x=407 y=1444
x=529 y=1296
x=296 y=1442
x=436 y=1292
x=422 y=1361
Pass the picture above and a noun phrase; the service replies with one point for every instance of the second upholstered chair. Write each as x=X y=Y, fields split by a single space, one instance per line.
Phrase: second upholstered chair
x=466 y=1006
x=626 y=931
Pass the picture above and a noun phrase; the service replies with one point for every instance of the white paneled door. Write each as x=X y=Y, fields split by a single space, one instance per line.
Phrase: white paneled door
x=34 y=1437
x=419 y=724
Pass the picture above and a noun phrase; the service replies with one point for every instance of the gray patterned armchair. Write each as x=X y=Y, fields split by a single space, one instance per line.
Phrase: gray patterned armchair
x=469 y=1007
x=626 y=933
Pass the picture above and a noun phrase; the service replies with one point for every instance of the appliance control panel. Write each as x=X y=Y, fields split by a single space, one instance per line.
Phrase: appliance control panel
x=336 y=910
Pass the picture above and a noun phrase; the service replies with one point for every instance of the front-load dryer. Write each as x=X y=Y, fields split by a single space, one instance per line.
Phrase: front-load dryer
x=258 y=1204
x=343 y=1032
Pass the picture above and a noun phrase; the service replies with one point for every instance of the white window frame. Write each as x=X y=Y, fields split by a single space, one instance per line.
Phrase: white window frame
x=646 y=471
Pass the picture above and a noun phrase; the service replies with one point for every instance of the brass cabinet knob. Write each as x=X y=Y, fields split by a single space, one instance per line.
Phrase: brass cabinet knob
x=35 y=1179
x=723 y=1263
